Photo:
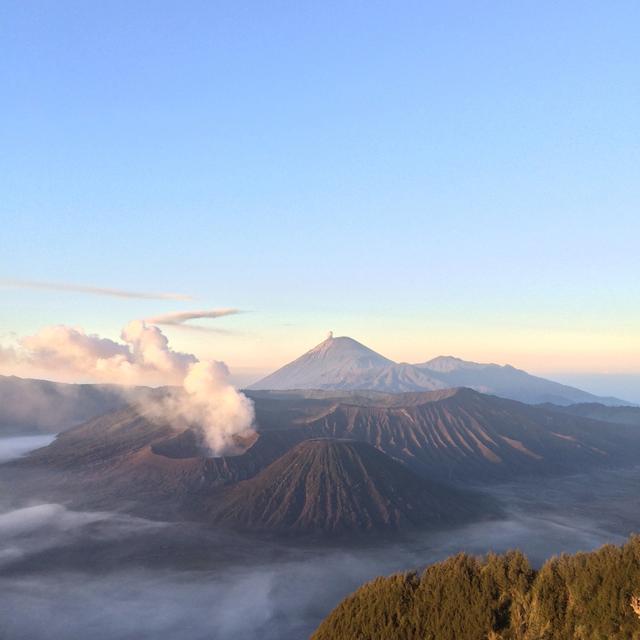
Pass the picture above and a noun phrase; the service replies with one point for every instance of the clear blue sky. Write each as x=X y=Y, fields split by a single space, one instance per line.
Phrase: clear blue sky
x=457 y=177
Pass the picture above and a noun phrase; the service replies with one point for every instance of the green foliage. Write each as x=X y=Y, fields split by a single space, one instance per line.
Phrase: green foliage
x=586 y=596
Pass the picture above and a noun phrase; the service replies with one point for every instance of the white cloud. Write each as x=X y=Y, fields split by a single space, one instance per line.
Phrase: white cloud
x=180 y=318
x=207 y=399
x=144 y=358
x=100 y=291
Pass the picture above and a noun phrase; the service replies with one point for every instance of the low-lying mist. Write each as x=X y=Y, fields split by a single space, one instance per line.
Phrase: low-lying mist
x=72 y=575
x=15 y=447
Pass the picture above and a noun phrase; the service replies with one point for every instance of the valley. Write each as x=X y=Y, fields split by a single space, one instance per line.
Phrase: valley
x=103 y=565
x=319 y=321
x=339 y=484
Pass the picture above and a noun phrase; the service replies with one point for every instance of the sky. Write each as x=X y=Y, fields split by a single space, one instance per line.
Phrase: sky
x=429 y=178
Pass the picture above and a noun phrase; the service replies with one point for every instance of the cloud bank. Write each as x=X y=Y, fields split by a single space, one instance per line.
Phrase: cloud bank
x=144 y=356
x=99 y=291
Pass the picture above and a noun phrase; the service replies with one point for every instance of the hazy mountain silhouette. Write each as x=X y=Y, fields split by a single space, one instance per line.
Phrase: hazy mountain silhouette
x=343 y=363
x=28 y=405
x=598 y=411
x=336 y=363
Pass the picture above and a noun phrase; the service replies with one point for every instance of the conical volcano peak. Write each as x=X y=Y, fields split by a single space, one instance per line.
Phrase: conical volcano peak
x=334 y=485
x=340 y=363
x=334 y=362
x=346 y=345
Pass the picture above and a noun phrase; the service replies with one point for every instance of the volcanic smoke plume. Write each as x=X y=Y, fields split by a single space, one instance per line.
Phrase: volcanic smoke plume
x=206 y=399
x=211 y=403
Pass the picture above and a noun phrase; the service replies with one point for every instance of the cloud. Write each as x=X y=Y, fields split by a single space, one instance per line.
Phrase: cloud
x=178 y=319
x=33 y=529
x=143 y=358
x=11 y=448
x=122 y=577
x=240 y=590
x=206 y=401
x=27 y=520
x=7 y=354
x=150 y=349
x=99 y=291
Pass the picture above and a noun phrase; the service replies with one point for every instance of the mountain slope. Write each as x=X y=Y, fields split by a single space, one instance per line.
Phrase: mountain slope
x=585 y=595
x=463 y=435
x=505 y=381
x=127 y=455
x=597 y=411
x=333 y=364
x=337 y=485
x=451 y=434
x=31 y=406
x=397 y=378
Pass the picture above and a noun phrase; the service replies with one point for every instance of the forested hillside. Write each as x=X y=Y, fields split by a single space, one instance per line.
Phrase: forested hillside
x=587 y=596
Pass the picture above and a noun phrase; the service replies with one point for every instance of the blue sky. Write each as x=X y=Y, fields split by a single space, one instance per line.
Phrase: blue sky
x=427 y=177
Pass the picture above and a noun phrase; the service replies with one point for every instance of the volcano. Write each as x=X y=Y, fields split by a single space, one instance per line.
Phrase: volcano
x=342 y=363
x=333 y=486
x=336 y=363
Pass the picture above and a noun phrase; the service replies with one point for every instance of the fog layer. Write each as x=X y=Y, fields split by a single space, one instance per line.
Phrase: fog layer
x=17 y=446
x=69 y=575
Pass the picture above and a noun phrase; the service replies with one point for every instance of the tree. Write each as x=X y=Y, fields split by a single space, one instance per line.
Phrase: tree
x=586 y=596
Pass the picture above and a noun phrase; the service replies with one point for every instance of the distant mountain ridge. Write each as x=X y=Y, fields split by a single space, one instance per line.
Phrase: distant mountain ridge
x=342 y=363
x=596 y=411
x=32 y=406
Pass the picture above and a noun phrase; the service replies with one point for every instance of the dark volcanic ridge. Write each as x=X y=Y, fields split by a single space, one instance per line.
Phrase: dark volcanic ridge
x=291 y=477
x=125 y=458
x=463 y=435
x=452 y=434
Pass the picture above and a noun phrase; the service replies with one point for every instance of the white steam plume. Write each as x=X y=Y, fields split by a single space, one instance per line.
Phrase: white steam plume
x=206 y=400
